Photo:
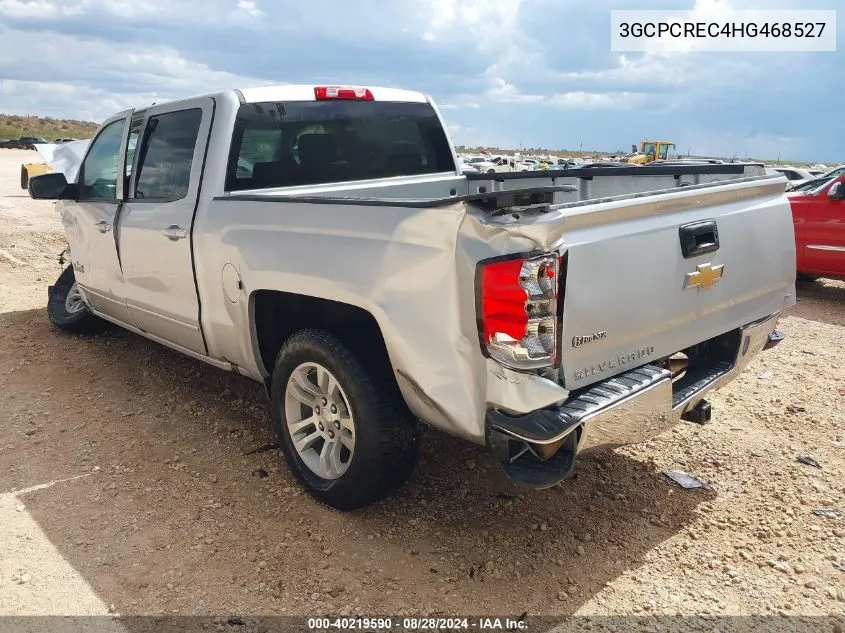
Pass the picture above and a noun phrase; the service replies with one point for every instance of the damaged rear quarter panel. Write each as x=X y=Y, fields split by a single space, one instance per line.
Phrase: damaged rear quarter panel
x=412 y=269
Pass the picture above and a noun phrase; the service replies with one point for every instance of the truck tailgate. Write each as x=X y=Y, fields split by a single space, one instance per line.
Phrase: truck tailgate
x=650 y=276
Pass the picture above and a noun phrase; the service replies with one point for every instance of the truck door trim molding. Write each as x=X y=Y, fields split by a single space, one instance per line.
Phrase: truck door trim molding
x=826 y=247
x=158 y=315
x=193 y=221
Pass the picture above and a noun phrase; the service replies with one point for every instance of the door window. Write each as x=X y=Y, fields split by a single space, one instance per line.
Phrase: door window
x=98 y=180
x=166 y=155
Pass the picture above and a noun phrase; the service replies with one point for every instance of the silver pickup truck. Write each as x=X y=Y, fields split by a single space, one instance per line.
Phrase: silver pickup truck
x=323 y=240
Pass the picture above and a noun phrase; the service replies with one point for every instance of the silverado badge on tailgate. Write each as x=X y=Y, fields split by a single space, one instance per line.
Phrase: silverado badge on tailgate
x=705 y=275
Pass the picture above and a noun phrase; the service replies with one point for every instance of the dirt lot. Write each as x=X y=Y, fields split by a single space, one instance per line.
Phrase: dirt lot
x=159 y=505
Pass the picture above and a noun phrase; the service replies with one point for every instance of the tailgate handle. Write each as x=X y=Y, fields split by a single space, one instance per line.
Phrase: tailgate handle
x=699 y=238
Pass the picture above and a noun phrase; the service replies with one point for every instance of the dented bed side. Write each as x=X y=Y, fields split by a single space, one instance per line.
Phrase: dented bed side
x=413 y=267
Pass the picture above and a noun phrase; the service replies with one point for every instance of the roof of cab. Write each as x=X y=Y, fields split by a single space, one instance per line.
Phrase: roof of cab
x=301 y=92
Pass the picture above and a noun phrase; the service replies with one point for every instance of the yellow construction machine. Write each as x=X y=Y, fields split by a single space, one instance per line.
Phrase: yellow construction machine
x=28 y=170
x=650 y=151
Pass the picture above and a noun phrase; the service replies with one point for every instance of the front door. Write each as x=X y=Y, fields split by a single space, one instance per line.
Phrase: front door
x=824 y=233
x=156 y=221
x=89 y=220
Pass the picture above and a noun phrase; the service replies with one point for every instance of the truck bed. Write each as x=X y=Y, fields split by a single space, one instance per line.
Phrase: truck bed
x=625 y=269
x=568 y=185
x=606 y=182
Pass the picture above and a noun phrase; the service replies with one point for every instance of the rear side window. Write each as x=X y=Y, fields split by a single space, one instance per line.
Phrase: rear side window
x=166 y=155
x=315 y=142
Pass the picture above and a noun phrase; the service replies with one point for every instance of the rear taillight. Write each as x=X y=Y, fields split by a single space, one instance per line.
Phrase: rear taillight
x=323 y=93
x=518 y=310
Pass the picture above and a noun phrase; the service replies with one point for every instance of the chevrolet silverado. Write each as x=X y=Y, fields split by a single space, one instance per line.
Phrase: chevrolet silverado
x=323 y=240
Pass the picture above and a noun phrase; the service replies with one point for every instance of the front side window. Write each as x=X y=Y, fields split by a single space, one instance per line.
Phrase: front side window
x=315 y=142
x=167 y=154
x=99 y=171
x=648 y=148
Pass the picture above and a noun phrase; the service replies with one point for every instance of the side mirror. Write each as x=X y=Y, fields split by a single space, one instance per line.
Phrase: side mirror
x=52 y=186
x=836 y=191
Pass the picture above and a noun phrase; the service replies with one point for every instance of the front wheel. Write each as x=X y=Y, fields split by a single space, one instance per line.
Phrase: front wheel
x=347 y=435
x=66 y=307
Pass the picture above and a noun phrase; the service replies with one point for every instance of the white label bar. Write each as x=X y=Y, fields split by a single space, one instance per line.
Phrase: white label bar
x=723 y=30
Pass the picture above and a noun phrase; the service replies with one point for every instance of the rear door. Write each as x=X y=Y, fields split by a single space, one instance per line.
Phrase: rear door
x=156 y=222
x=824 y=232
x=89 y=221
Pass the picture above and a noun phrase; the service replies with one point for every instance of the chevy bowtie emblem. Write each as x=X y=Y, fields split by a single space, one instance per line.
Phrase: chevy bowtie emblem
x=705 y=275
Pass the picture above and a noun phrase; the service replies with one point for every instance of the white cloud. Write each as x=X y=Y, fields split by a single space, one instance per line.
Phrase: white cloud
x=155 y=74
x=249 y=7
x=38 y=8
x=459 y=104
x=489 y=26
x=504 y=92
x=599 y=100
x=745 y=142
x=504 y=70
x=500 y=91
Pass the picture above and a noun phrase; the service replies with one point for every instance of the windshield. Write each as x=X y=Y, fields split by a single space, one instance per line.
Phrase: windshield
x=812 y=186
x=835 y=172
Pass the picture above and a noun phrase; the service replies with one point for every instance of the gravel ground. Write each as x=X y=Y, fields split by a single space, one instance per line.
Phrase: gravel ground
x=131 y=477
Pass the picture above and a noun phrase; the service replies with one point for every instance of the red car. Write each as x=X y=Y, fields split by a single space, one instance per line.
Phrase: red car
x=818 y=213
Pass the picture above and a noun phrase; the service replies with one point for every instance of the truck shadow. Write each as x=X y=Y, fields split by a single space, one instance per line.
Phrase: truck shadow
x=189 y=510
x=822 y=300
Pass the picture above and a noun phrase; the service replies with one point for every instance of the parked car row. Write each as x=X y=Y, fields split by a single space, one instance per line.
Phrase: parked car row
x=24 y=142
x=29 y=142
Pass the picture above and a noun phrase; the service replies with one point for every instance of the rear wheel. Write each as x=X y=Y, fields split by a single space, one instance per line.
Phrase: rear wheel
x=66 y=308
x=347 y=436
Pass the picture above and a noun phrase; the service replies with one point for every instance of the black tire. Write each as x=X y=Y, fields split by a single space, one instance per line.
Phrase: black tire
x=801 y=277
x=81 y=322
x=24 y=177
x=386 y=433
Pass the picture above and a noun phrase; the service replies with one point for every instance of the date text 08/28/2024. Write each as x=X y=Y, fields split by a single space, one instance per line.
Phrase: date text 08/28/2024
x=416 y=624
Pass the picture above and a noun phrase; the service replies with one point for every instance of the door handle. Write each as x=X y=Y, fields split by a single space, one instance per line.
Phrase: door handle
x=174 y=232
x=699 y=238
x=103 y=226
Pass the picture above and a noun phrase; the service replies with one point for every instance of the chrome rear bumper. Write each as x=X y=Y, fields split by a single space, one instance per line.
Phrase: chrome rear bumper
x=631 y=407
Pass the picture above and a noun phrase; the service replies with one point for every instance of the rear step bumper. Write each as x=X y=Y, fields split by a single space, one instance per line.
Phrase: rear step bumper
x=626 y=409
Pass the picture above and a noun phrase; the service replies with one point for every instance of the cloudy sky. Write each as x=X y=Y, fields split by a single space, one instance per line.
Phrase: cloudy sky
x=506 y=72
